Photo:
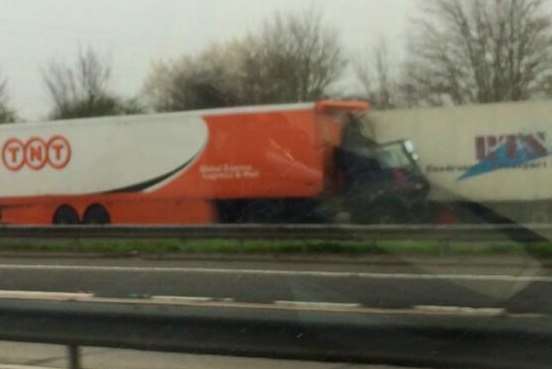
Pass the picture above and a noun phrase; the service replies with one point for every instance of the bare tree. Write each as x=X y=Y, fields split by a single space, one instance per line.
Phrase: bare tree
x=378 y=77
x=82 y=89
x=208 y=80
x=7 y=115
x=294 y=57
x=467 y=51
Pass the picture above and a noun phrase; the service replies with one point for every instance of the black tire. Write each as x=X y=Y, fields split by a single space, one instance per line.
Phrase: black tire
x=96 y=214
x=65 y=215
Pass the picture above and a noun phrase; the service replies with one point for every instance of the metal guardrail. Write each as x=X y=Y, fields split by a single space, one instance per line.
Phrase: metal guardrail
x=347 y=338
x=467 y=233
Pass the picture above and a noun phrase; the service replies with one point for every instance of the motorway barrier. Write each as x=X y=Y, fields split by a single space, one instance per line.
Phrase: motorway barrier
x=439 y=341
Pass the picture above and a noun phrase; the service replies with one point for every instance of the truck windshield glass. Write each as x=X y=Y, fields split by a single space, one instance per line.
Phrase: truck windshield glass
x=394 y=156
x=341 y=181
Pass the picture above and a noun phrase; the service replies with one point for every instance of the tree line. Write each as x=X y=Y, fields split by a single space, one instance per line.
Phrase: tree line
x=458 y=52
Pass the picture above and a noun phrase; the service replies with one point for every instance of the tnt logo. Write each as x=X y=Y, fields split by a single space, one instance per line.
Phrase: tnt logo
x=511 y=146
x=36 y=153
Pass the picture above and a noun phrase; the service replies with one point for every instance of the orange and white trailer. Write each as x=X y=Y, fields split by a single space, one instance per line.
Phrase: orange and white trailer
x=176 y=168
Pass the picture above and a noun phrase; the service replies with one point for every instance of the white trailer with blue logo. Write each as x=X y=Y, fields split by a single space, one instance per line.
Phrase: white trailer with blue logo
x=497 y=156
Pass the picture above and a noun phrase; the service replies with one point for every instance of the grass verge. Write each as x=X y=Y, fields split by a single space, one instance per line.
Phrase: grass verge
x=312 y=247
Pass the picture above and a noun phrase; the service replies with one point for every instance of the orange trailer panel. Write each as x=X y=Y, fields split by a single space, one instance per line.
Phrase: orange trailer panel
x=266 y=155
x=169 y=168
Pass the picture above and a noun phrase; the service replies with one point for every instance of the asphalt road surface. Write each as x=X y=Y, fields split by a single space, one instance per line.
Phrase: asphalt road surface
x=518 y=288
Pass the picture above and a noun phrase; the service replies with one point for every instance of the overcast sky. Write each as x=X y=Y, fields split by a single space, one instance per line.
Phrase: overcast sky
x=133 y=34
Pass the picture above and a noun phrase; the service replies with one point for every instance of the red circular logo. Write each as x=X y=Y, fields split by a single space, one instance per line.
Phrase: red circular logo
x=36 y=153
x=59 y=152
x=13 y=154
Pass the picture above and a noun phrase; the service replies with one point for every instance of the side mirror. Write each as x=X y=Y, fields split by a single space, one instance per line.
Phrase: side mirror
x=409 y=146
x=411 y=149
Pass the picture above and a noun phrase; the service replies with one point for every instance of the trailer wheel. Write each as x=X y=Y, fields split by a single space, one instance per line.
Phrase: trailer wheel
x=96 y=214
x=65 y=214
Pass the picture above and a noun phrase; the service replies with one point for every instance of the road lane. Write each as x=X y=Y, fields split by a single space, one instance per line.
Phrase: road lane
x=525 y=291
x=376 y=290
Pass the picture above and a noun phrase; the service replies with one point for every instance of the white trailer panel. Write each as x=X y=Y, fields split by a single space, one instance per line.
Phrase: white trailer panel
x=480 y=153
x=90 y=156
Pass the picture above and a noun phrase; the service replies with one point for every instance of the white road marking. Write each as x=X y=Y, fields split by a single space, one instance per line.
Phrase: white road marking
x=40 y=295
x=291 y=273
x=318 y=305
x=462 y=310
x=181 y=299
x=23 y=367
x=327 y=307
